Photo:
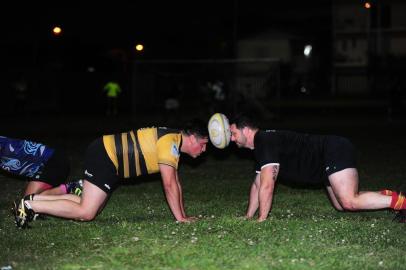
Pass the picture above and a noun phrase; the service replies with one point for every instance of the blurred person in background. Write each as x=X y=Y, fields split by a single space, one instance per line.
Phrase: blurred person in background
x=112 y=90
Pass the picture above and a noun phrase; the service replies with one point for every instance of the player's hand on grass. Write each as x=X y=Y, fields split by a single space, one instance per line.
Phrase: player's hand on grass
x=244 y=218
x=188 y=219
x=261 y=219
x=192 y=219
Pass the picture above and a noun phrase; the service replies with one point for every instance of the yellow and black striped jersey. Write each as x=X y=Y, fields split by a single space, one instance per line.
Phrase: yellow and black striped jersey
x=138 y=152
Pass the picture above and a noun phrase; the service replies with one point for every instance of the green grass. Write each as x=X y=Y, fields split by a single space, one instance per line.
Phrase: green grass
x=137 y=231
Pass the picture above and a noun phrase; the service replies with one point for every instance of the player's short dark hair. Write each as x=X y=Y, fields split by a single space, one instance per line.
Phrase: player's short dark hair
x=243 y=120
x=196 y=127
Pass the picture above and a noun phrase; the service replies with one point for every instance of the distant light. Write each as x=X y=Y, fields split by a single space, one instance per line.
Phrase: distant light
x=91 y=69
x=139 y=47
x=57 y=31
x=367 y=5
x=308 y=50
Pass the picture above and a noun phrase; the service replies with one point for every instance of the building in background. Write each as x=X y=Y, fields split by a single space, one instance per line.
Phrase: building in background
x=369 y=46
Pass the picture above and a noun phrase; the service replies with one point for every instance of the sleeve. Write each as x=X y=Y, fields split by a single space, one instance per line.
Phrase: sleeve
x=266 y=151
x=257 y=167
x=168 y=150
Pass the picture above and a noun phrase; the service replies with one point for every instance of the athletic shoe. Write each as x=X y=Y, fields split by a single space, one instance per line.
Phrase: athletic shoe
x=400 y=216
x=22 y=214
x=75 y=187
x=30 y=197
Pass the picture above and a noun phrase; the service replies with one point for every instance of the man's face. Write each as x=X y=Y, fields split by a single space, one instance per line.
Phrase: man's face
x=237 y=136
x=198 y=146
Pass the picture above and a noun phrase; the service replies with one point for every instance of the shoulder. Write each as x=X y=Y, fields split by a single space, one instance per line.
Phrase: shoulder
x=168 y=149
x=265 y=136
x=162 y=131
x=169 y=141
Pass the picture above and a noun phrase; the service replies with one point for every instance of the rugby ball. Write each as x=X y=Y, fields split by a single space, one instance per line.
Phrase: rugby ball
x=219 y=130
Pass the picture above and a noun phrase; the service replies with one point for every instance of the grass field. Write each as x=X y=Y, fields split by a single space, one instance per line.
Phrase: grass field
x=136 y=229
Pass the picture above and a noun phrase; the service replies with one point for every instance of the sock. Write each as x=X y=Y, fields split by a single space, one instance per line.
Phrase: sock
x=398 y=201
x=31 y=215
x=386 y=192
x=63 y=188
x=29 y=197
x=27 y=204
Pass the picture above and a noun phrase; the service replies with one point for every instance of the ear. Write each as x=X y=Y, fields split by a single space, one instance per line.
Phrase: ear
x=193 y=138
x=245 y=131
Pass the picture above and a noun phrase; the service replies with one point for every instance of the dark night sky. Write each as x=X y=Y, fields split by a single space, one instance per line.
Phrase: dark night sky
x=179 y=29
x=103 y=36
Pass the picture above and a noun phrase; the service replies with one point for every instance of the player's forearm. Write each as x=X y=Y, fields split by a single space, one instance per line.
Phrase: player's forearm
x=173 y=198
x=268 y=177
x=253 y=201
x=180 y=196
x=265 y=202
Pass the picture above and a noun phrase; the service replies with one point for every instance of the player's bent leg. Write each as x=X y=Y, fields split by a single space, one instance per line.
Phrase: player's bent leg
x=74 y=187
x=35 y=187
x=70 y=197
x=91 y=201
x=344 y=184
x=59 y=190
x=333 y=199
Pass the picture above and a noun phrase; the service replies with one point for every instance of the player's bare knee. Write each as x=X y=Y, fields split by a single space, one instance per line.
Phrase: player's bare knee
x=86 y=216
x=338 y=208
x=348 y=205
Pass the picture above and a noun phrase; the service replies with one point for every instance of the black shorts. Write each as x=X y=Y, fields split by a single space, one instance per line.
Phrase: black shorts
x=55 y=170
x=99 y=169
x=339 y=154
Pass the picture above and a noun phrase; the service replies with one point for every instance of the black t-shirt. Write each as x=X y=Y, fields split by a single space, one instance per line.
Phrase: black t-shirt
x=299 y=155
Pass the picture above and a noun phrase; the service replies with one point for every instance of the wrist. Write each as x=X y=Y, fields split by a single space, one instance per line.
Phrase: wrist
x=262 y=217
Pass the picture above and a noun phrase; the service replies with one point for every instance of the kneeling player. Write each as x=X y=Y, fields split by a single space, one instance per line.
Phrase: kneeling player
x=46 y=169
x=124 y=155
x=306 y=158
